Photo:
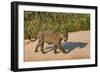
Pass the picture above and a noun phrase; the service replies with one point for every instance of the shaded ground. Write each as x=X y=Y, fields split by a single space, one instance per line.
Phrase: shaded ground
x=77 y=47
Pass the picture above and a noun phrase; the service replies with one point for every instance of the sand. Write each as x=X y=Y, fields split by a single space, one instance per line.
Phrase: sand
x=77 y=47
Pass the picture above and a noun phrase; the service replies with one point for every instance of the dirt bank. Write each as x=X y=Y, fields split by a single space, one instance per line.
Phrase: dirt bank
x=77 y=47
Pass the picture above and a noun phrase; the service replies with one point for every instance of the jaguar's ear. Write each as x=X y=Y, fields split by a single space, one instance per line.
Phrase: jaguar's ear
x=66 y=33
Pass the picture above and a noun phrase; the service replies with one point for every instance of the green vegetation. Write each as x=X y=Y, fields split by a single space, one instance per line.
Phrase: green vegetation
x=62 y=22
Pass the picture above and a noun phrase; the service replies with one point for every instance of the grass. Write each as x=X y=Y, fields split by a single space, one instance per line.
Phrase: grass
x=61 y=22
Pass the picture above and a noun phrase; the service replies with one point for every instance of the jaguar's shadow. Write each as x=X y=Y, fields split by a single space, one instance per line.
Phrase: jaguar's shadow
x=69 y=46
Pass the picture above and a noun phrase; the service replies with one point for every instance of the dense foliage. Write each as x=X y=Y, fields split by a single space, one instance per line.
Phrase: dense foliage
x=62 y=22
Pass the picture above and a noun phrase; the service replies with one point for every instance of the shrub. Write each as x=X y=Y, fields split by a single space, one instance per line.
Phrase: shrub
x=61 y=22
